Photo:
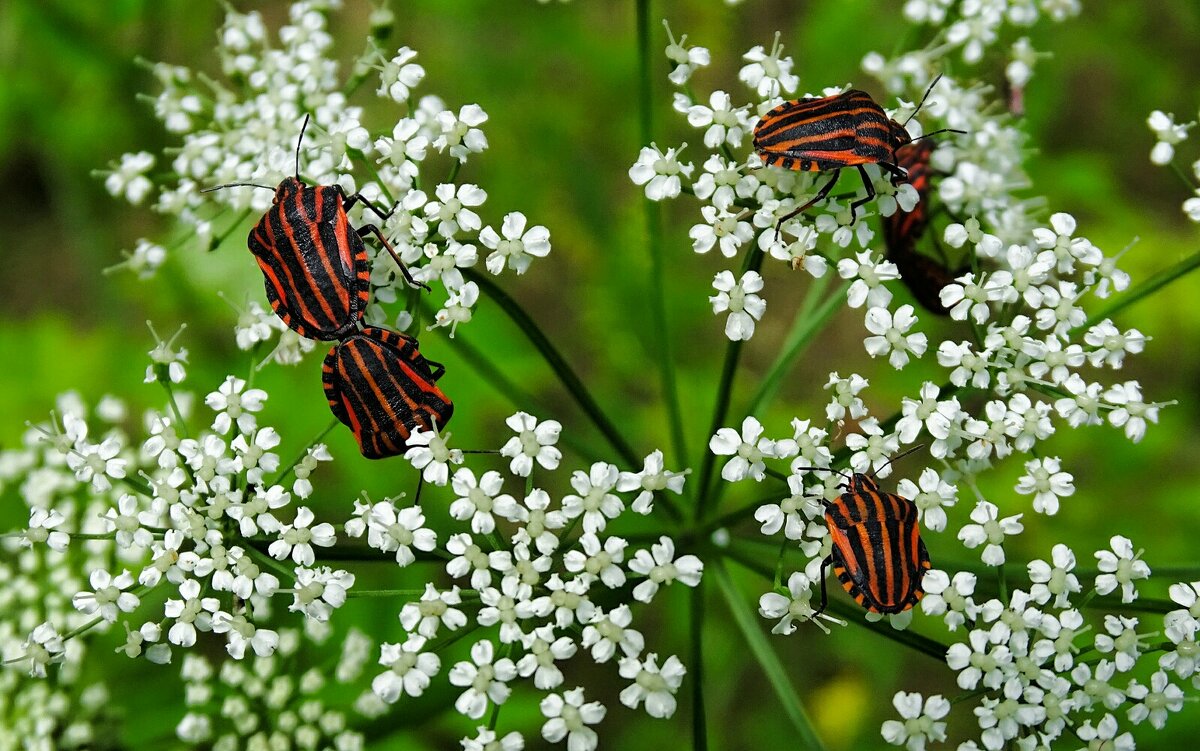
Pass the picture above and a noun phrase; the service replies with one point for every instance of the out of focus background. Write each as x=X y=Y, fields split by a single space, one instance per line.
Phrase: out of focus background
x=558 y=82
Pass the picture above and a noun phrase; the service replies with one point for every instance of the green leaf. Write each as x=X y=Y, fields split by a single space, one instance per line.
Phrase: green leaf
x=757 y=641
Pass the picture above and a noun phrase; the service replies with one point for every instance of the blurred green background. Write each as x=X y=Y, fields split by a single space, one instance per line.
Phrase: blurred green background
x=559 y=84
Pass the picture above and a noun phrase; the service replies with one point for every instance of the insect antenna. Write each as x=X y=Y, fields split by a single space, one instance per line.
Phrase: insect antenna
x=943 y=130
x=922 y=103
x=237 y=185
x=299 y=141
x=898 y=457
x=824 y=469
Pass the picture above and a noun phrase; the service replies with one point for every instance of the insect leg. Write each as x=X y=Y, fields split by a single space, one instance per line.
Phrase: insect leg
x=371 y=229
x=436 y=369
x=825 y=564
x=899 y=174
x=349 y=201
x=820 y=196
x=870 y=193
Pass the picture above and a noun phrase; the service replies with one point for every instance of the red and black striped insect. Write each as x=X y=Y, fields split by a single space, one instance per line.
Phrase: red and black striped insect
x=923 y=276
x=822 y=134
x=314 y=263
x=878 y=554
x=380 y=385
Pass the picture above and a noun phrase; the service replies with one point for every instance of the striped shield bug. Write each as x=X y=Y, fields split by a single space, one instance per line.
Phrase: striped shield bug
x=923 y=276
x=381 y=387
x=877 y=554
x=823 y=134
x=314 y=264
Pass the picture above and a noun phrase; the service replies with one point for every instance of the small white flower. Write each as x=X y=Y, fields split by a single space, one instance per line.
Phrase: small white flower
x=534 y=515
x=932 y=496
x=1165 y=130
x=660 y=172
x=846 y=398
x=768 y=74
x=653 y=478
x=725 y=124
x=42 y=530
x=128 y=179
x=428 y=452
x=869 y=272
x=686 y=59
x=433 y=610
x=1120 y=567
x=400 y=76
x=601 y=561
x=477 y=500
x=534 y=441
x=747 y=449
x=795 y=606
x=1054 y=578
x=721 y=228
x=1044 y=479
x=922 y=721
x=1156 y=700
x=319 y=591
x=409 y=670
x=190 y=613
x=490 y=740
x=661 y=568
x=43 y=647
x=241 y=633
x=515 y=246
x=891 y=335
x=296 y=539
x=471 y=558
x=608 y=631
x=1131 y=412
x=485 y=680
x=740 y=298
x=458 y=308
x=461 y=133
x=950 y=598
x=652 y=684
x=1104 y=735
x=234 y=403
x=990 y=529
x=542 y=650
x=568 y=717
x=453 y=208
x=594 y=501
x=108 y=595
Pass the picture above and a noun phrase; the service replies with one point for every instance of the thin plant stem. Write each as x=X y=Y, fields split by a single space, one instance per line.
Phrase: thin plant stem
x=570 y=380
x=654 y=245
x=773 y=668
x=808 y=323
x=1147 y=288
x=291 y=467
x=696 y=669
x=733 y=353
x=176 y=412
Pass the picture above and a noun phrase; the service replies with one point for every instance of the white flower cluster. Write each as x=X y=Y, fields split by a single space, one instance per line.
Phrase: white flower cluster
x=203 y=520
x=546 y=578
x=40 y=577
x=1168 y=135
x=261 y=702
x=244 y=130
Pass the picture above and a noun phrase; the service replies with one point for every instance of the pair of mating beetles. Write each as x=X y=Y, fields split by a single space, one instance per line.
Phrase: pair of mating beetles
x=318 y=281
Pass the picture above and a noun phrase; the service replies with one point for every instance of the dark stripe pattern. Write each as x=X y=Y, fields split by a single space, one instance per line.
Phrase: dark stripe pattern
x=878 y=554
x=381 y=387
x=813 y=135
x=923 y=276
x=314 y=264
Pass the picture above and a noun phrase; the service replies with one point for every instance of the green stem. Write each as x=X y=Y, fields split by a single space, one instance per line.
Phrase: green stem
x=775 y=672
x=385 y=593
x=557 y=363
x=176 y=412
x=808 y=324
x=283 y=475
x=1147 y=288
x=696 y=666
x=733 y=353
x=654 y=245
